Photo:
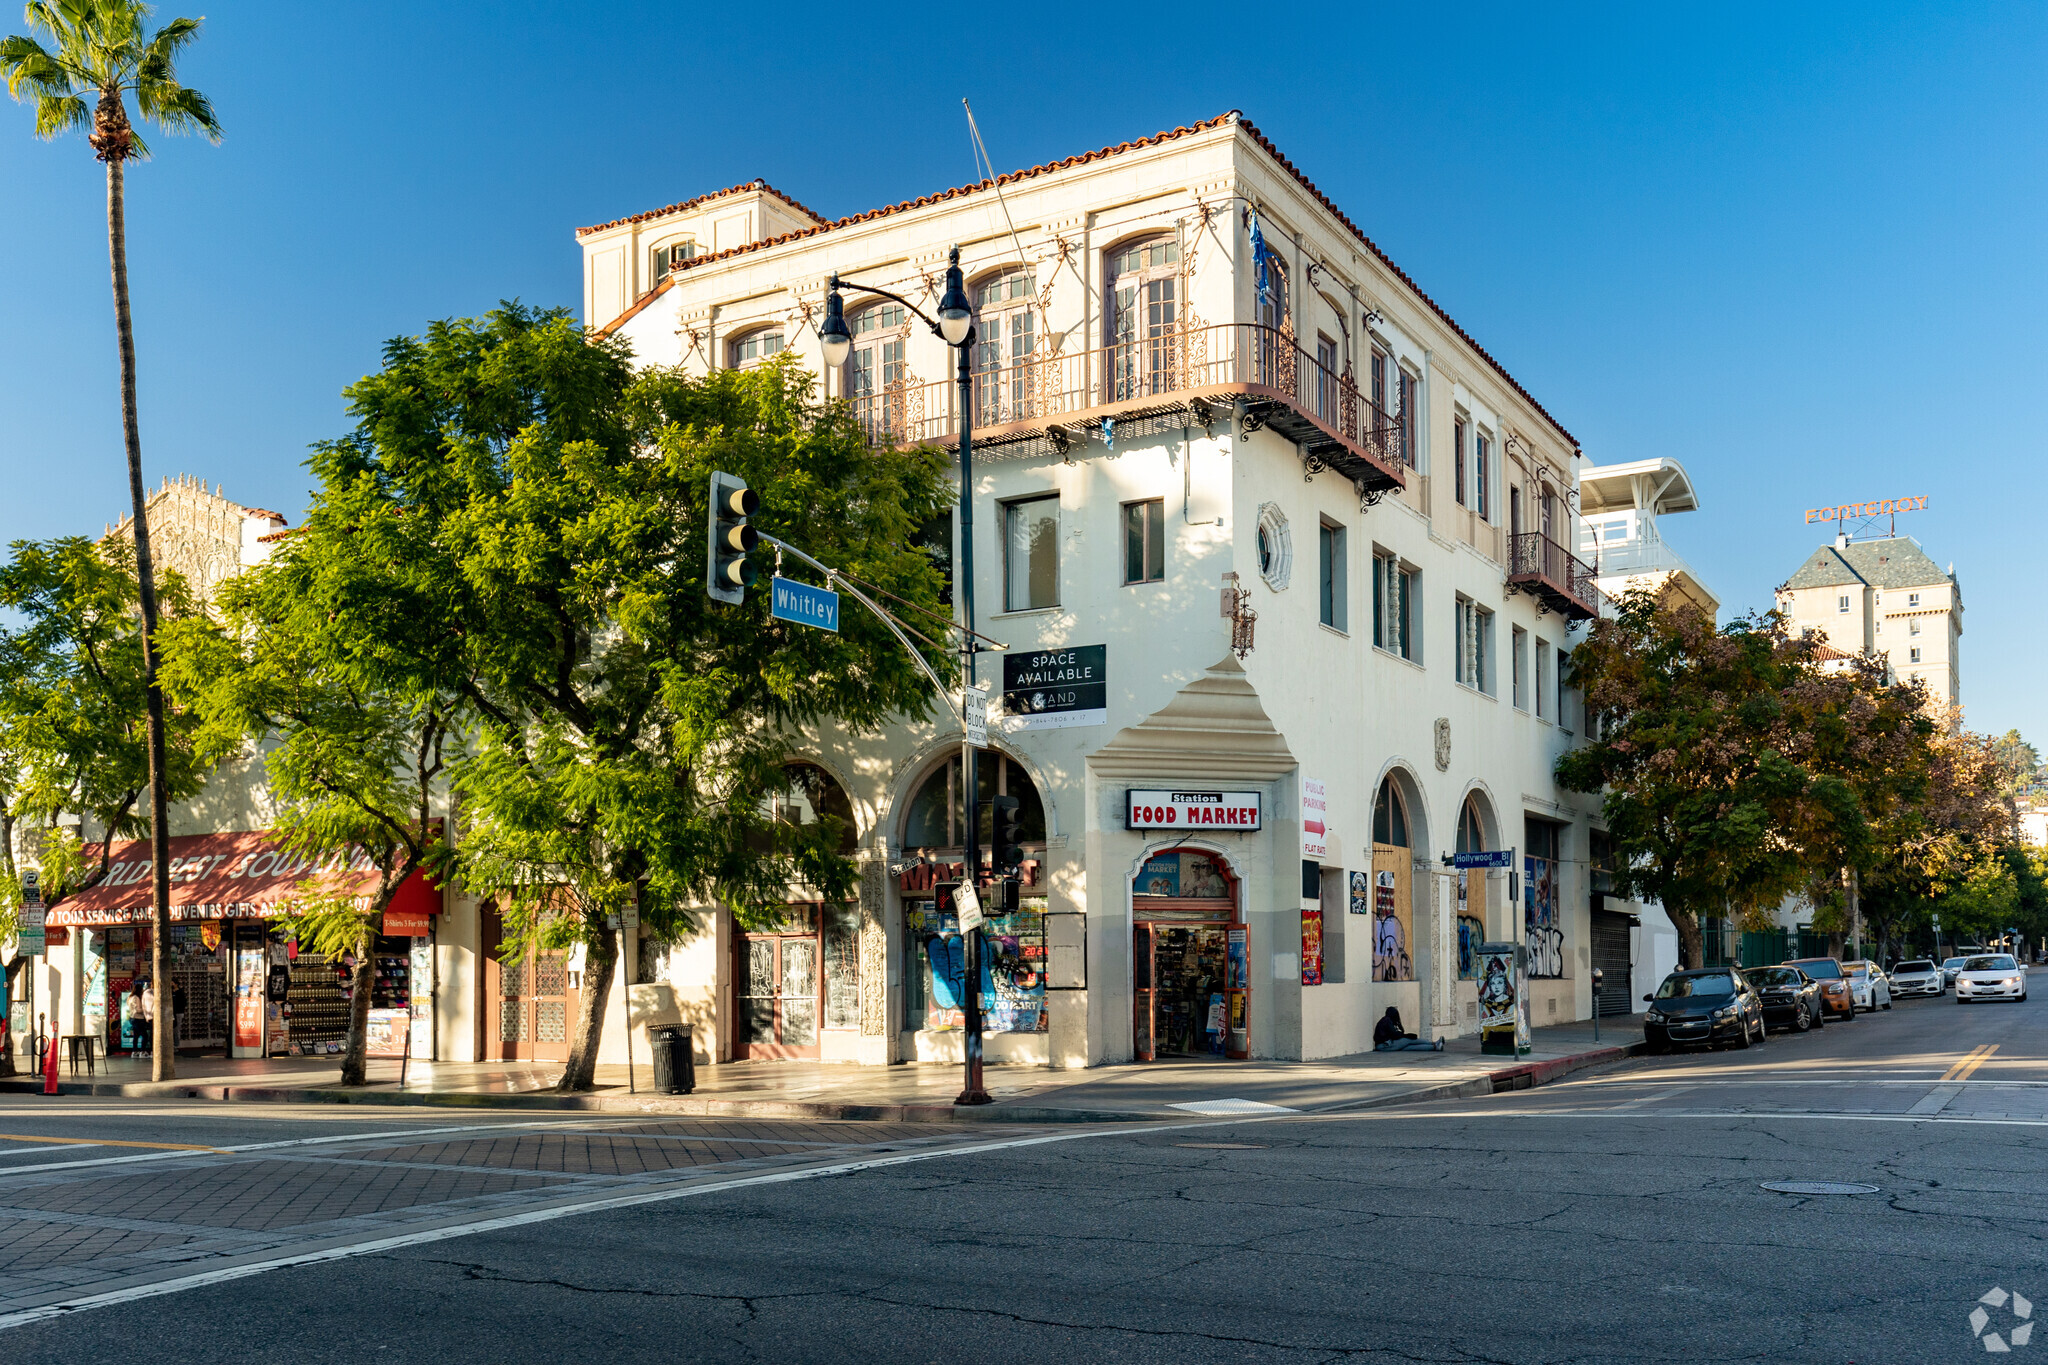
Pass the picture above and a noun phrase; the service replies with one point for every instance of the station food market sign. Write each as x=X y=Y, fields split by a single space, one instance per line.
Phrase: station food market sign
x=1191 y=810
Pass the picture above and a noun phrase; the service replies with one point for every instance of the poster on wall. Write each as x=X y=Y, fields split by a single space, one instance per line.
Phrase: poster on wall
x=1315 y=818
x=1503 y=999
x=1392 y=959
x=1361 y=893
x=1542 y=934
x=1183 y=876
x=1013 y=959
x=1237 y=973
x=1312 y=947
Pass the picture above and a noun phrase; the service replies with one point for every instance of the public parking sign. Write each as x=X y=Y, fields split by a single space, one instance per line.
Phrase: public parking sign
x=803 y=604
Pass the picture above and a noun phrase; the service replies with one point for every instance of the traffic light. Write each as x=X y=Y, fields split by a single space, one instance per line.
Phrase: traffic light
x=1009 y=830
x=727 y=572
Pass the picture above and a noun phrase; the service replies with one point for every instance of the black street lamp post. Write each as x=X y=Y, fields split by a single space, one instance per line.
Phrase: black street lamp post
x=955 y=327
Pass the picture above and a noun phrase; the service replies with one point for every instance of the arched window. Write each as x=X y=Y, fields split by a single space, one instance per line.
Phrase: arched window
x=756 y=347
x=1144 y=317
x=937 y=820
x=1471 y=828
x=876 y=368
x=1005 y=339
x=1390 y=816
x=812 y=795
x=668 y=256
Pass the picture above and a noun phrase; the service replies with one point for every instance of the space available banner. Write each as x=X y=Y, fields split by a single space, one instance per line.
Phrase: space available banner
x=1050 y=689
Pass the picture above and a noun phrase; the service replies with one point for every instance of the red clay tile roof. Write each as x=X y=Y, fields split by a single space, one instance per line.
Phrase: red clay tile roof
x=278 y=535
x=1046 y=169
x=752 y=185
x=264 y=512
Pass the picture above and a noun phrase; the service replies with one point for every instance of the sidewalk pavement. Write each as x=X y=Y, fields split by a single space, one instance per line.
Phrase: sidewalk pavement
x=1131 y=1092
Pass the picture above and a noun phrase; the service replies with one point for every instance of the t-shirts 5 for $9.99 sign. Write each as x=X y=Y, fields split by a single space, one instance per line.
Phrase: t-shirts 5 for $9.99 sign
x=1196 y=811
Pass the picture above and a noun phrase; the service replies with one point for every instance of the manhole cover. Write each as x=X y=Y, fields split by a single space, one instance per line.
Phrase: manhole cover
x=1224 y=1146
x=1818 y=1187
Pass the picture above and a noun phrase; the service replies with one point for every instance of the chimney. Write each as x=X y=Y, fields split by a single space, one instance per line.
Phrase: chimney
x=1841 y=540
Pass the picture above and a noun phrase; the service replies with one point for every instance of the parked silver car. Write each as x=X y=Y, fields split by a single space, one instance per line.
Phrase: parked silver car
x=1918 y=976
x=1949 y=967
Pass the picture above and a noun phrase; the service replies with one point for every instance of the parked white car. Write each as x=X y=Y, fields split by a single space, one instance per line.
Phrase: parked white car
x=1992 y=976
x=1869 y=988
x=1918 y=976
x=1949 y=968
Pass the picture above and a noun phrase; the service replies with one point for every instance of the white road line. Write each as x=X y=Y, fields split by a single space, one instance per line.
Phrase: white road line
x=229 y=1273
x=1746 y=1115
x=6 y=1152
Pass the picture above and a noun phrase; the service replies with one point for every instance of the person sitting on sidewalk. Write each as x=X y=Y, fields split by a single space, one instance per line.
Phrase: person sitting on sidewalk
x=1389 y=1036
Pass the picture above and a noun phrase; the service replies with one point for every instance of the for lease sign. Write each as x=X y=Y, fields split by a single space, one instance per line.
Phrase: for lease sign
x=1190 y=810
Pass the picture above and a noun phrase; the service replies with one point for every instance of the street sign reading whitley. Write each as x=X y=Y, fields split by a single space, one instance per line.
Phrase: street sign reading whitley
x=804 y=604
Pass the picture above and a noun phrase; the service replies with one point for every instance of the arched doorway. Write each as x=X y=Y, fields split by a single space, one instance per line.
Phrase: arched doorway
x=1475 y=890
x=1013 y=952
x=1189 y=982
x=1393 y=885
x=796 y=973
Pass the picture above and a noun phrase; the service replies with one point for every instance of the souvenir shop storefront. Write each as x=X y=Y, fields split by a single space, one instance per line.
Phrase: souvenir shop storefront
x=240 y=985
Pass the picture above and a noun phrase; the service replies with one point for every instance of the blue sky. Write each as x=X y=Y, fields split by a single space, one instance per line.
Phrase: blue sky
x=1798 y=247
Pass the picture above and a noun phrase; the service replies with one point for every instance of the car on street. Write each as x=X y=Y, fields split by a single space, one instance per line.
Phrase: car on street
x=1869 y=987
x=1991 y=976
x=1949 y=967
x=1918 y=976
x=1791 y=998
x=1834 y=984
x=1710 y=1005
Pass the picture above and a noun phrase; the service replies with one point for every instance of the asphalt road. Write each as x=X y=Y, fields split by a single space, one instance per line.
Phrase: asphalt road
x=1616 y=1217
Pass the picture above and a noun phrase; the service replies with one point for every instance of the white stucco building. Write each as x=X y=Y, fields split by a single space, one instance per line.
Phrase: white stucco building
x=1154 y=427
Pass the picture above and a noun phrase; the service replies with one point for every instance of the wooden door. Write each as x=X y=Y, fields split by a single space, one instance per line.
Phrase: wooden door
x=1144 y=1021
x=529 y=1005
x=778 y=987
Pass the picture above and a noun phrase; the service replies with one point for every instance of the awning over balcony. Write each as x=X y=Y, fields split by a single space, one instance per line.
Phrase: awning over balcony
x=240 y=874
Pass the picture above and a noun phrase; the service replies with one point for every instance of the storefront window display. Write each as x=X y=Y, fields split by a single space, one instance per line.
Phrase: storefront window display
x=1012 y=968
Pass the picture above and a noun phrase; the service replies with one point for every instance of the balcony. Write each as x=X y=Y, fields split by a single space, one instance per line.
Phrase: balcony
x=1558 y=579
x=1180 y=378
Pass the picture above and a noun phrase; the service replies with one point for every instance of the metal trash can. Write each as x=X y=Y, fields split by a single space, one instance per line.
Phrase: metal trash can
x=675 y=1063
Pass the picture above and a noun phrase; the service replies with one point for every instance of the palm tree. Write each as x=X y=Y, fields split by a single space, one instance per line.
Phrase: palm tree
x=98 y=50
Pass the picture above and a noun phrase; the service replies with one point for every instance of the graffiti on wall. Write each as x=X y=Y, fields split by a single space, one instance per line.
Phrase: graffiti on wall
x=1471 y=928
x=1390 y=957
x=1543 y=933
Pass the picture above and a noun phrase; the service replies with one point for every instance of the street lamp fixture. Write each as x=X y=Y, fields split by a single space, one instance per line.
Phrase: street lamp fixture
x=838 y=341
x=956 y=315
x=955 y=327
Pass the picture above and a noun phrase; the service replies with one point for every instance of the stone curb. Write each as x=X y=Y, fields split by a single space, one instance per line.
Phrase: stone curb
x=1521 y=1077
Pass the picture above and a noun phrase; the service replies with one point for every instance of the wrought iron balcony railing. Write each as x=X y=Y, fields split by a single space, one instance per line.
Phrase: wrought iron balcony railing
x=1556 y=577
x=1065 y=397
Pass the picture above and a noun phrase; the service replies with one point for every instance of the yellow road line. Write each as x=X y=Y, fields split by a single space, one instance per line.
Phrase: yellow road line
x=1971 y=1060
x=107 y=1142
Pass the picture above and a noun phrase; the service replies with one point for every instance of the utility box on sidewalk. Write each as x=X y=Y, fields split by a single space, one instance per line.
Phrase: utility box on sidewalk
x=1504 y=999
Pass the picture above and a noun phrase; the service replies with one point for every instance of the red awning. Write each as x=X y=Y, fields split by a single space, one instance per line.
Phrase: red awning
x=239 y=874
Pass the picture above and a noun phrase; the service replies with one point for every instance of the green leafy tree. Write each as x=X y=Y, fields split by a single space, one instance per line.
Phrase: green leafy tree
x=1733 y=771
x=73 y=732
x=357 y=747
x=629 y=731
x=92 y=55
